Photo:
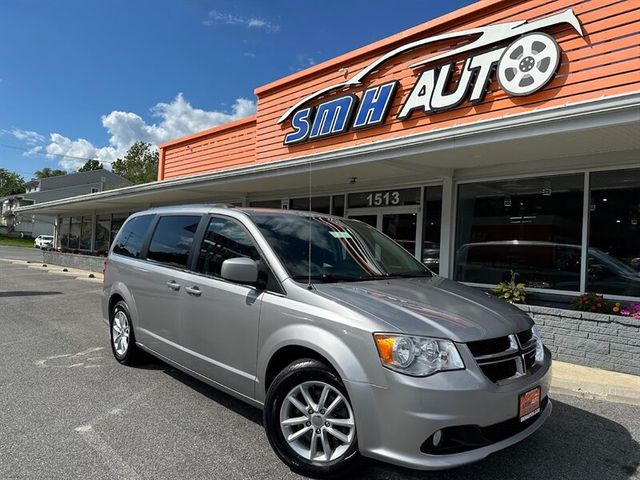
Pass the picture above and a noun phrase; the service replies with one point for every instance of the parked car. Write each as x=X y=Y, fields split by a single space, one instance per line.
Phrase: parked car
x=43 y=241
x=544 y=265
x=348 y=343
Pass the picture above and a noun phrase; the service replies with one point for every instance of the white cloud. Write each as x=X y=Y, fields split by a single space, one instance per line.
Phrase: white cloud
x=304 y=61
x=175 y=119
x=27 y=136
x=217 y=17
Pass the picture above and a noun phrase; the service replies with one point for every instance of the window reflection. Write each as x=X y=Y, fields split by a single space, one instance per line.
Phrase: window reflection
x=531 y=226
x=614 y=233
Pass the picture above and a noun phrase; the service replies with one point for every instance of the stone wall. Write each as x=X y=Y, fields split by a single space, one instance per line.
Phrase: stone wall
x=74 y=260
x=603 y=341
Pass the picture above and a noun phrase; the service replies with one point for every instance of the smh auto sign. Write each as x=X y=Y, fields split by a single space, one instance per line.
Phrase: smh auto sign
x=521 y=68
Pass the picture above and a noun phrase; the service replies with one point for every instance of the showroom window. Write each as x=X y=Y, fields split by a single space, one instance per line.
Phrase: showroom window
x=431 y=228
x=531 y=227
x=318 y=204
x=266 y=204
x=74 y=232
x=103 y=230
x=86 y=233
x=614 y=233
x=64 y=232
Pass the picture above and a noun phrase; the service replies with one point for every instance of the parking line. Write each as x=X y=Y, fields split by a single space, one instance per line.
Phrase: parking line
x=110 y=458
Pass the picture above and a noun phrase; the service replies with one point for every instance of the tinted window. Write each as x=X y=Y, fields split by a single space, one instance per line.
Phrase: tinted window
x=225 y=238
x=131 y=236
x=172 y=239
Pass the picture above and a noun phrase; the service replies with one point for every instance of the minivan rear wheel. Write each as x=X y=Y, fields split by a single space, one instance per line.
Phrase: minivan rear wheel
x=309 y=420
x=123 y=341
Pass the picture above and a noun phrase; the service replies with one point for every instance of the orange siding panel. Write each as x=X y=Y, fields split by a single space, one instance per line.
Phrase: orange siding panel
x=606 y=61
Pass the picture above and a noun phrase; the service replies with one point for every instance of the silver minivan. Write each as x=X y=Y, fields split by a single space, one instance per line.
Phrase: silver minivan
x=351 y=346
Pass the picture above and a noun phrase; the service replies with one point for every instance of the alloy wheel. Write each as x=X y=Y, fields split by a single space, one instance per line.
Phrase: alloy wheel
x=120 y=333
x=317 y=421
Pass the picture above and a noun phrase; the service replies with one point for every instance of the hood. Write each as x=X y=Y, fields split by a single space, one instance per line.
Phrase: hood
x=430 y=306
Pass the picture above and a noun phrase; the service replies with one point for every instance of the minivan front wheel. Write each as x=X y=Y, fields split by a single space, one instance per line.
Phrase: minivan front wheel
x=309 y=420
x=123 y=342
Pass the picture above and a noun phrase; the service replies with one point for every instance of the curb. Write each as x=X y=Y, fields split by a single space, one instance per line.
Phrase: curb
x=594 y=383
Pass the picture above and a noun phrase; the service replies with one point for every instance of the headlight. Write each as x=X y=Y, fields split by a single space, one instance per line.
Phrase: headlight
x=539 y=346
x=418 y=356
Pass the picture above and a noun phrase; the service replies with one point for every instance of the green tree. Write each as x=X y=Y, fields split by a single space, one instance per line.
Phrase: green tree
x=91 y=165
x=10 y=183
x=48 y=172
x=139 y=165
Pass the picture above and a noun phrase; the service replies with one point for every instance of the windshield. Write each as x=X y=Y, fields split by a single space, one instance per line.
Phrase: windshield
x=340 y=249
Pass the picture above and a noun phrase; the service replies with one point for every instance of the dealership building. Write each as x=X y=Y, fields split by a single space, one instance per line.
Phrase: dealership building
x=504 y=136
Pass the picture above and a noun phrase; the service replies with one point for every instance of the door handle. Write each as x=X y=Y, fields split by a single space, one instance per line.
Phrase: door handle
x=173 y=285
x=195 y=291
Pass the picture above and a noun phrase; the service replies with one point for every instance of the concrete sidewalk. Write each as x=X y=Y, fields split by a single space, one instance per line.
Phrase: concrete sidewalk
x=57 y=270
x=587 y=382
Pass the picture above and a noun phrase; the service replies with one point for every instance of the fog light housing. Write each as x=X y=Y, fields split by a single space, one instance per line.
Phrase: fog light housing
x=436 y=438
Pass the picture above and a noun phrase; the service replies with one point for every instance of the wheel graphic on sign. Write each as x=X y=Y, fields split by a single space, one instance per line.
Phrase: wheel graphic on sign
x=528 y=64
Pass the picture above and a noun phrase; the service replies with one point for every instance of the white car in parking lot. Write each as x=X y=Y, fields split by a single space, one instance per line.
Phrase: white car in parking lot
x=43 y=241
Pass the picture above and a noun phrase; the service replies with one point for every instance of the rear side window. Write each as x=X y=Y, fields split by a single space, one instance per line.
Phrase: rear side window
x=224 y=239
x=172 y=240
x=131 y=237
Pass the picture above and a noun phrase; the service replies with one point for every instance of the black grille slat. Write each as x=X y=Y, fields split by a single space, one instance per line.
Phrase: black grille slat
x=525 y=337
x=489 y=347
x=500 y=359
x=500 y=370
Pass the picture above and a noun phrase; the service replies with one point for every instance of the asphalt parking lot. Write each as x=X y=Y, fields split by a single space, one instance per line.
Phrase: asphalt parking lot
x=69 y=410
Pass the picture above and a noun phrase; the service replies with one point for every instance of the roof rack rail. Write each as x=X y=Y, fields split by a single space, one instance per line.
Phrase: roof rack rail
x=222 y=205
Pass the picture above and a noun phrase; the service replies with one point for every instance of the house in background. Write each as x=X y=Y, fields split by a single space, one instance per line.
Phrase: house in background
x=7 y=206
x=54 y=188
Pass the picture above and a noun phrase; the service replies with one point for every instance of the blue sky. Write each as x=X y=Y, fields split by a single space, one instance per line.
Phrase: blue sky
x=87 y=78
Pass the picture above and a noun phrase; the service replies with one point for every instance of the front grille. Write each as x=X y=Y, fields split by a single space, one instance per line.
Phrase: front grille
x=505 y=358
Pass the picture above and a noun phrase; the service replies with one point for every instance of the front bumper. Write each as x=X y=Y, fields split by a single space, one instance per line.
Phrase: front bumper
x=394 y=421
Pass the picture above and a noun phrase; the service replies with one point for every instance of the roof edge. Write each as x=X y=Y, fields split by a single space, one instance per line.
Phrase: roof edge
x=210 y=131
x=422 y=28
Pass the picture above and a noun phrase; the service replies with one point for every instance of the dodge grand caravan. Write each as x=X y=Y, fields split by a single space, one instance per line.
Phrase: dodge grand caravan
x=350 y=345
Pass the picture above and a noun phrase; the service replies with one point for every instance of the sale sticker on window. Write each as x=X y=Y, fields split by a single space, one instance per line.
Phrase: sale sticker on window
x=340 y=234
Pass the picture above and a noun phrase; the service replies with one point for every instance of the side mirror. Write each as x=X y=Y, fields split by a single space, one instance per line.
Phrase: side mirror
x=240 y=270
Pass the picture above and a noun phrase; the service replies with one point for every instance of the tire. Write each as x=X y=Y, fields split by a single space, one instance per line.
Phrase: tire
x=120 y=321
x=285 y=392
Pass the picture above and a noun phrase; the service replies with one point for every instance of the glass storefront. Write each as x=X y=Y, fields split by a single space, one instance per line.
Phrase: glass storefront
x=74 y=233
x=318 y=204
x=86 y=233
x=103 y=231
x=432 y=216
x=614 y=233
x=535 y=227
x=531 y=227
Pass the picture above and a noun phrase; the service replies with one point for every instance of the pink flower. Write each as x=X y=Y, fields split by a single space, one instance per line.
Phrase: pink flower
x=625 y=313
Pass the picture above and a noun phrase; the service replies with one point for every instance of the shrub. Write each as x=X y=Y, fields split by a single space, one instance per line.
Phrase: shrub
x=592 y=302
x=511 y=291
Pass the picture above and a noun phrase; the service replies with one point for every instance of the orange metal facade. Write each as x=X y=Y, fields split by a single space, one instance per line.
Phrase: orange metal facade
x=604 y=62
